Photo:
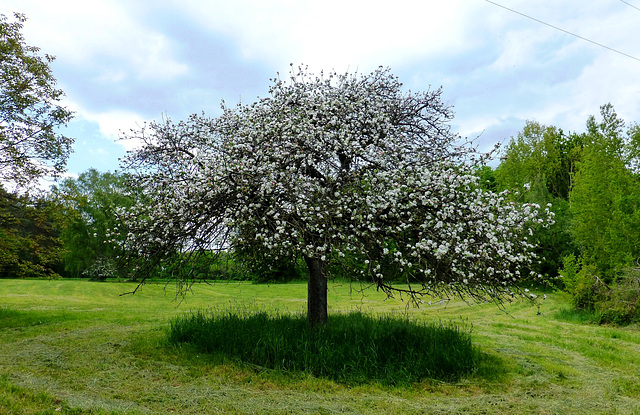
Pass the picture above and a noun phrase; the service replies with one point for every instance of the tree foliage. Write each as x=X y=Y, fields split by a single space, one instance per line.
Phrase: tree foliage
x=537 y=166
x=30 y=113
x=90 y=203
x=29 y=237
x=542 y=156
x=333 y=168
x=596 y=197
x=605 y=199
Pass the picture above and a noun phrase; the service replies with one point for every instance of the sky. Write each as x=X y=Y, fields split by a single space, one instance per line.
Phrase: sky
x=125 y=62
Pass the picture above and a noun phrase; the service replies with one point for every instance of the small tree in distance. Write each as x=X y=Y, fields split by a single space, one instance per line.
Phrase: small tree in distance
x=337 y=169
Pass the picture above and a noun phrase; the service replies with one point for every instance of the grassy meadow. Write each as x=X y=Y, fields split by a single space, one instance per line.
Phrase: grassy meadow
x=78 y=347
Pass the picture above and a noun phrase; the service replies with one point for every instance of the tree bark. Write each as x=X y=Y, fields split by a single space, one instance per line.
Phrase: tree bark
x=316 y=292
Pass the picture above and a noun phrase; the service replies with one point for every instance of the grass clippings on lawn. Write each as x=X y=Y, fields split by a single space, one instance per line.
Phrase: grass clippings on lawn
x=75 y=347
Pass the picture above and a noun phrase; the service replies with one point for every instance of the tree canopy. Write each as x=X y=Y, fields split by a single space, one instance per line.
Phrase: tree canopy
x=540 y=163
x=340 y=169
x=30 y=112
x=90 y=202
x=29 y=237
x=605 y=198
x=543 y=156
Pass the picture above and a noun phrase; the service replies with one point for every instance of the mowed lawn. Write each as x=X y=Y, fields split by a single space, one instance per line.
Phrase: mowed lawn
x=78 y=347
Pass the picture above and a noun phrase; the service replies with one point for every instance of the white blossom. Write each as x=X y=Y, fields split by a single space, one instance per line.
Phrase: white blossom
x=331 y=165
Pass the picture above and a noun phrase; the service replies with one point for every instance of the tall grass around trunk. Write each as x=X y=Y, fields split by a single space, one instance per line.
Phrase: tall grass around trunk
x=350 y=348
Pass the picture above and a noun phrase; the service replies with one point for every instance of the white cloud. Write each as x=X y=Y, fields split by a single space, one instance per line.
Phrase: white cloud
x=112 y=124
x=336 y=33
x=116 y=124
x=85 y=31
x=154 y=62
x=518 y=49
x=608 y=80
x=472 y=127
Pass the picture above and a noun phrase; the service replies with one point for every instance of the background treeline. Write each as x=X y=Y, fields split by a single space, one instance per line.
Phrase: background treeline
x=30 y=244
x=591 y=179
x=72 y=231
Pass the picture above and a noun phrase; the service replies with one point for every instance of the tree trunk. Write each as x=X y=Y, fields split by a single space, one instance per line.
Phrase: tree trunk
x=316 y=292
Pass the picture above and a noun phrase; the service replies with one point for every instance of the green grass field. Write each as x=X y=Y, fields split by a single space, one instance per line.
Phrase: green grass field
x=77 y=347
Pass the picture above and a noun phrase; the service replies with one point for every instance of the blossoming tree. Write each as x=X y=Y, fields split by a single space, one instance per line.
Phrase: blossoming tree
x=335 y=169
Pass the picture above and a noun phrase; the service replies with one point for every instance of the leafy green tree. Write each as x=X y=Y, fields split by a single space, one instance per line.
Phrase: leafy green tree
x=633 y=148
x=487 y=178
x=30 y=113
x=29 y=237
x=91 y=201
x=542 y=156
x=605 y=199
x=537 y=167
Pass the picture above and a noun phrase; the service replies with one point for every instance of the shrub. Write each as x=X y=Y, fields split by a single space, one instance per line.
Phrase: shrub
x=587 y=289
x=101 y=269
x=621 y=305
x=569 y=272
x=616 y=302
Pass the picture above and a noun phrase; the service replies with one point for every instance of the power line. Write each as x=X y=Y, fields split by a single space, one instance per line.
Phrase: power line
x=629 y=4
x=565 y=31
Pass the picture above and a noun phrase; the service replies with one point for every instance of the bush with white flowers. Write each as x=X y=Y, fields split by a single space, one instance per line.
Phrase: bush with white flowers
x=331 y=168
